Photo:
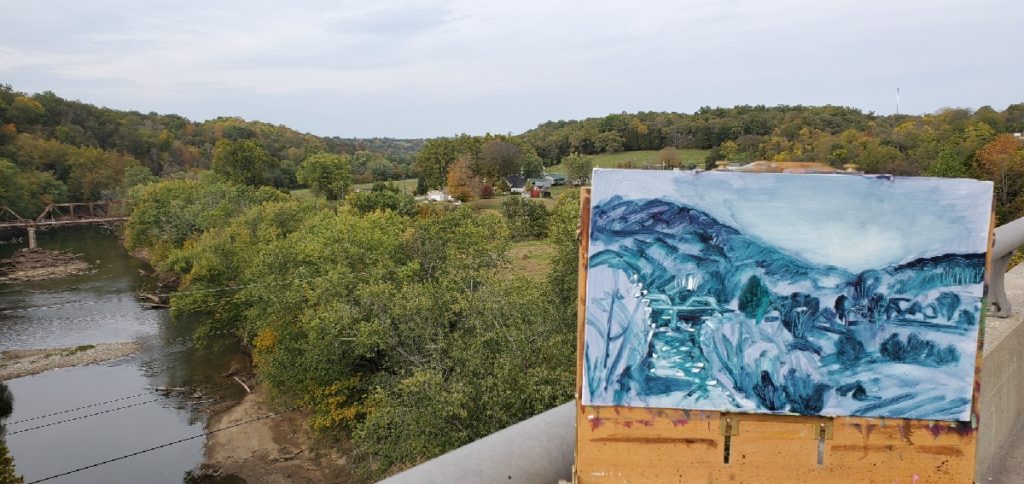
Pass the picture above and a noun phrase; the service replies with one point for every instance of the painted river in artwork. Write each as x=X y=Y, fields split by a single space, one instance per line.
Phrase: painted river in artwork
x=96 y=308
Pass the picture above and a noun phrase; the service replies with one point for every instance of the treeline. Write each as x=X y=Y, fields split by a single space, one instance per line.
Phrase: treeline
x=64 y=150
x=952 y=142
x=398 y=326
x=749 y=126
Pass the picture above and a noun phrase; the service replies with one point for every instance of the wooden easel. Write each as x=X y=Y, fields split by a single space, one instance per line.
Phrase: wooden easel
x=625 y=444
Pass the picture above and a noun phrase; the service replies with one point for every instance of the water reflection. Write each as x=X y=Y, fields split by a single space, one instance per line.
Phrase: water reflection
x=94 y=308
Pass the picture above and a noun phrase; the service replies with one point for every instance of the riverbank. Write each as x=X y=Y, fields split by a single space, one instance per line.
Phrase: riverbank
x=273 y=450
x=19 y=363
x=40 y=264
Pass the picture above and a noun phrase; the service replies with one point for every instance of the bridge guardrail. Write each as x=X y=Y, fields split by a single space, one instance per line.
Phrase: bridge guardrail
x=1008 y=238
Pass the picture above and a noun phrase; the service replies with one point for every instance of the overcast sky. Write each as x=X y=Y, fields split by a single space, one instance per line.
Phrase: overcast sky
x=420 y=69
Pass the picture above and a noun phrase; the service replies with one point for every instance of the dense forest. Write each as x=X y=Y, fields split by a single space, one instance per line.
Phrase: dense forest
x=53 y=149
x=401 y=328
x=407 y=328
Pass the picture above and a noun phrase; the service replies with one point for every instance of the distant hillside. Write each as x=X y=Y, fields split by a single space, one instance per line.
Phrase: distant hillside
x=61 y=149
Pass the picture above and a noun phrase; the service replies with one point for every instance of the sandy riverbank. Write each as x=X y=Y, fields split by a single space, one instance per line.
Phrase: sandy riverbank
x=19 y=363
x=41 y=264
x=273 y=450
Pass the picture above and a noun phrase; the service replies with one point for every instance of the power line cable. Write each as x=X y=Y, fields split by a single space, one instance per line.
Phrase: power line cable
x=83 y=407
x=51 y=424
x=168 y=444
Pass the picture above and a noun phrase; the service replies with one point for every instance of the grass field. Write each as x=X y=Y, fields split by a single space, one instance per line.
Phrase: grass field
x=302 y=194
x=407 y=185
x=495 y=203
x=609 y=160
x=530 y=258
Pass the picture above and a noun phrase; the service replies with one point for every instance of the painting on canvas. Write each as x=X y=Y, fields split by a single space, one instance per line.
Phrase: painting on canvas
x=833 y=295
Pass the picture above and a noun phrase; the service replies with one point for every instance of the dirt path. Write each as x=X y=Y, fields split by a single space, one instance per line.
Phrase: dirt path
x=19 y=363
x=271 y=451
x=40 y=264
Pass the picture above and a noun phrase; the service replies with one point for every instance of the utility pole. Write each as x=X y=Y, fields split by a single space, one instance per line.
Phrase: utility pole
x=897 y=100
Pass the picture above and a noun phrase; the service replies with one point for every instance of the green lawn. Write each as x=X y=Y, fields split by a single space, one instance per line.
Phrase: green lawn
x=610 y=160
x=495 y=203
x=530 y=258
x=407 y=185
x=303 y=194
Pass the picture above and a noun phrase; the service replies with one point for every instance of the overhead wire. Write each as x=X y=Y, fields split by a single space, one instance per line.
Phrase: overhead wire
x=83 y=407
x=82 y=417
x=161 y=446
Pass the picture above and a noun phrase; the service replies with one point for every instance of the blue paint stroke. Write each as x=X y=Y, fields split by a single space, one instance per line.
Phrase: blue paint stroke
x=685 y=311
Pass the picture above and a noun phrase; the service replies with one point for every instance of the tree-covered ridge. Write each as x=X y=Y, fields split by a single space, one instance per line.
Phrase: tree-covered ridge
x=751 y=127
x=66 y=150
x=952 y=142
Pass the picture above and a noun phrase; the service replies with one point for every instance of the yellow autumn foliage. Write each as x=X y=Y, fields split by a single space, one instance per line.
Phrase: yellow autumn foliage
x=335 y=405
x=263 y=345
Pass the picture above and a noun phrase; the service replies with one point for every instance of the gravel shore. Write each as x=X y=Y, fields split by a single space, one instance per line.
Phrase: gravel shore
x=19 y=363
x=41 y=264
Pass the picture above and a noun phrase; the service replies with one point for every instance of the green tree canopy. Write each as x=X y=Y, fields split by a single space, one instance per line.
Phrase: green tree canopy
x=244 y=161
x=327 y=174
x=578 y=168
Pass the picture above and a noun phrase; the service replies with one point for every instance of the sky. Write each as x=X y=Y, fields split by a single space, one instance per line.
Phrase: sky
x=848 y=221
x=422 y=69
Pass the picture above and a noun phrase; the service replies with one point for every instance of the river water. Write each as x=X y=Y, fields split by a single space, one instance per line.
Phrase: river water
x=97 y=308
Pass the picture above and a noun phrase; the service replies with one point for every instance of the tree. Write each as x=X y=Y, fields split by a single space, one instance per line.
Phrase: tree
x=25 y=111
x=562 y=236
x=947 y=165
x=498 y=159
x=525 y=219
x=244 y=161
x=433 y=160
x=754 y=299
x=27 y=192
x=533 y=166
x=7 y=475
x=668 y=157
x=1002 y=161
x=383 y=197
x=462 y=184
x=578 y=168
x=327 y=174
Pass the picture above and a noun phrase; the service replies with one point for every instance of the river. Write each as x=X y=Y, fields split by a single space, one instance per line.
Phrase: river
x=97 y=308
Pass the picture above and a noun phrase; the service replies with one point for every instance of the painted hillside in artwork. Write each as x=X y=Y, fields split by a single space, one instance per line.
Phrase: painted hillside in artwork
x=836 y=295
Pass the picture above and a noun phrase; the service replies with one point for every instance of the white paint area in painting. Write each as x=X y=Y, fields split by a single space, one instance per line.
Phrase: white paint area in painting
x=851 y=222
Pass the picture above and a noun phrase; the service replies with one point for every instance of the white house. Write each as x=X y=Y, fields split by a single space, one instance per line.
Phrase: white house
x=438 y=196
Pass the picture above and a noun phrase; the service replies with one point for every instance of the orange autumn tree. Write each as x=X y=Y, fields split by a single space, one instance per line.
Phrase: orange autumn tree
x=463 y=185
x=1002 y=161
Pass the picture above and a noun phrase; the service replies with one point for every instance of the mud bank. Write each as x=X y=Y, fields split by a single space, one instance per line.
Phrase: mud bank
x=19 y=363
x=41 y=264
x=273 y=450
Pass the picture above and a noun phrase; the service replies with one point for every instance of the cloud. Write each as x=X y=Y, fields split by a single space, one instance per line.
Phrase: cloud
x=474 y=64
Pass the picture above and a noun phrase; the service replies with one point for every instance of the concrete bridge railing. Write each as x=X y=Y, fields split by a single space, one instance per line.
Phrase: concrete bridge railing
x=540 y=449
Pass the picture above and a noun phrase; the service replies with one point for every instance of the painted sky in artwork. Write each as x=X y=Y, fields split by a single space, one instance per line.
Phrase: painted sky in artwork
x=858 y=222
